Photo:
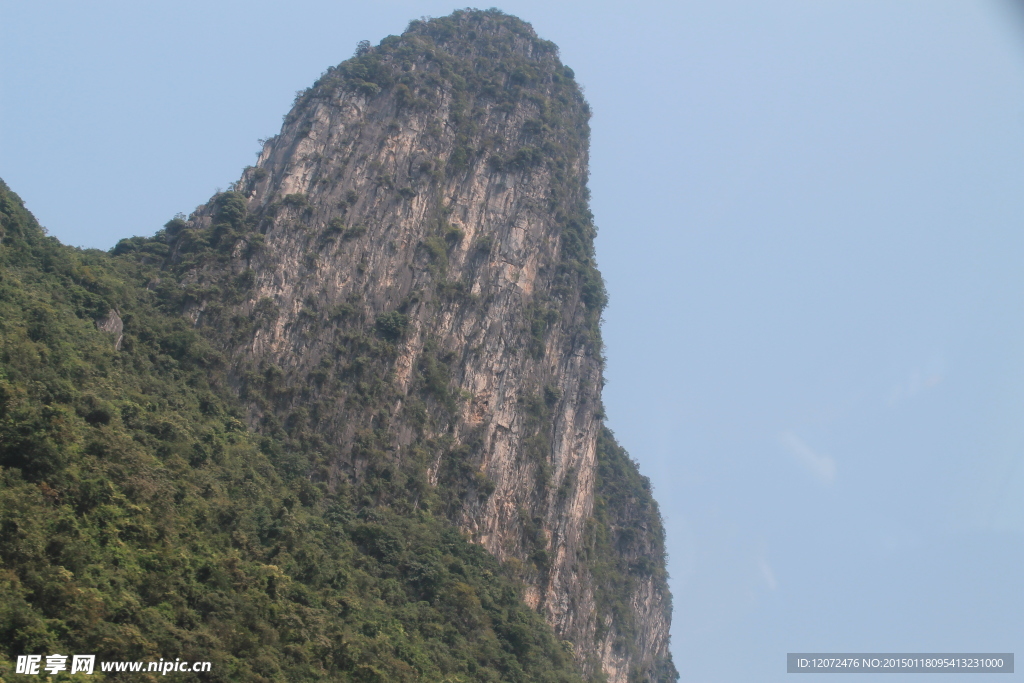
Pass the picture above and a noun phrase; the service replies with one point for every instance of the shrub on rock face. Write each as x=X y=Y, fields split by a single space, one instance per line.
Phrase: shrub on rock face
x=392 y=325
x=296 y=200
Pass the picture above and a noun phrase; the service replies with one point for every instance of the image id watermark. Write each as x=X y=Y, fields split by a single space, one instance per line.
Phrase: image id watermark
x=901 y=662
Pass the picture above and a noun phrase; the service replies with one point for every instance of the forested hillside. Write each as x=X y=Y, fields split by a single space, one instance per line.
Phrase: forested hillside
x=343 y=421
x=140 y=519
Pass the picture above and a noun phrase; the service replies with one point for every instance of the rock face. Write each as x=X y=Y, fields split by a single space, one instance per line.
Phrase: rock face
x=406 y=280
x=112 y=324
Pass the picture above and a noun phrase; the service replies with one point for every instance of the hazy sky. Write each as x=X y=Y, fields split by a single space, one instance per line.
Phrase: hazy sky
x=810 y=219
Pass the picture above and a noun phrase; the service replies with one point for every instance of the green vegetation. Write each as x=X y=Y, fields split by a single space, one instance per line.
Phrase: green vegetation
x=481 y=60
x=392 y=325
x=139 y=518
x=623 y=506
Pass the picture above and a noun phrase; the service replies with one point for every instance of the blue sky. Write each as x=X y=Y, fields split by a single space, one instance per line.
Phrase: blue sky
x=810 y=219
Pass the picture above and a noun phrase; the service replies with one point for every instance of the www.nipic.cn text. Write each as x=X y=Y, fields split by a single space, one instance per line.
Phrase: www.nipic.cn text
x=51 y=665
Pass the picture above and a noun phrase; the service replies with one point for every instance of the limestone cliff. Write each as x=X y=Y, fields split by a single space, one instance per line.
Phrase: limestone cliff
x=405 y=287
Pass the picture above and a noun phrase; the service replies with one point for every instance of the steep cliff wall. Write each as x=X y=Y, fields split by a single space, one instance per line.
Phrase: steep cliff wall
x=406 y=288
x=139 y=519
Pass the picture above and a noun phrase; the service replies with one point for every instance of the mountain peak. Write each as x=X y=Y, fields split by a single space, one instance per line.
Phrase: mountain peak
x=405 y=288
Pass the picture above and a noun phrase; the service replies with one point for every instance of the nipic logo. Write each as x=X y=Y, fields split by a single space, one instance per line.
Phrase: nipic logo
x=36 y=665
x=30 y=664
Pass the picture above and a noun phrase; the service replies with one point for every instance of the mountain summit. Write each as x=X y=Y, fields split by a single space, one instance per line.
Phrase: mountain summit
x=402 y=305
x=422 y=301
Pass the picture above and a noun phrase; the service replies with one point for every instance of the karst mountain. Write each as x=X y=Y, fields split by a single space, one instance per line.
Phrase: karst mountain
x=343 y=422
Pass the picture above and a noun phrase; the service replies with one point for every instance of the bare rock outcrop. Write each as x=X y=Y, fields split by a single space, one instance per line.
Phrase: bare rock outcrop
x=407 y=277
x=112 y=324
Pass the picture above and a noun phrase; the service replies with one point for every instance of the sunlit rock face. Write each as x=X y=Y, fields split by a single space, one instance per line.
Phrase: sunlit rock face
x=407 y=277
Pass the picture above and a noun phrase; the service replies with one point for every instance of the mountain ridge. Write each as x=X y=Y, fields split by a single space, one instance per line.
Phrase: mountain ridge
x=403 y=297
